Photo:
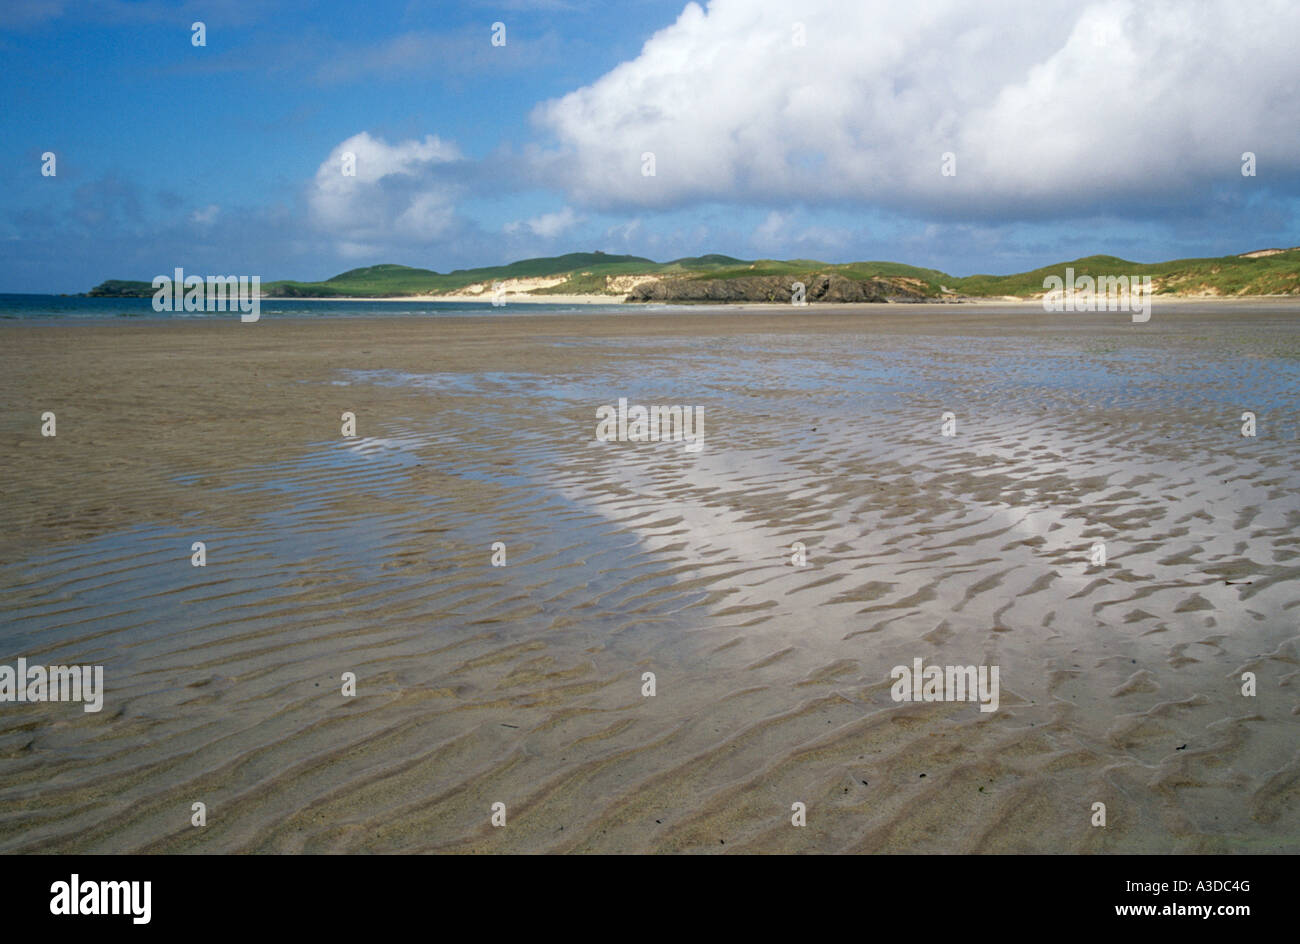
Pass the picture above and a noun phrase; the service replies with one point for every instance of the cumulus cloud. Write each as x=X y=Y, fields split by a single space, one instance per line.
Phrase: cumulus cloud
x=398 y=192
x=1049 y=106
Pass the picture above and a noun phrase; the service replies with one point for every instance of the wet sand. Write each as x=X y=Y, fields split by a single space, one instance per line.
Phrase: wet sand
x=521 y=684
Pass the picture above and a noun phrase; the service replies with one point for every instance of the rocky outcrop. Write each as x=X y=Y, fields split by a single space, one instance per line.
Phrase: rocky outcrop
x=777 y=289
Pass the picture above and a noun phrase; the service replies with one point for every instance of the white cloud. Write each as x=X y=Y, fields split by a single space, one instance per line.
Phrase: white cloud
x=624 y=232
x=1049 y=105
x=396 y=193
x=773 y=230
x=206 y=215
x=788 y=232
x=548 y=225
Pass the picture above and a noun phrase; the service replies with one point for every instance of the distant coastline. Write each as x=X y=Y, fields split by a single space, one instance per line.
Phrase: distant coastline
x=600 y=278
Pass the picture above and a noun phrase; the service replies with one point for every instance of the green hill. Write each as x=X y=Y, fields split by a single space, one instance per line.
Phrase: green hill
x=398 y=280
x=1275 y=274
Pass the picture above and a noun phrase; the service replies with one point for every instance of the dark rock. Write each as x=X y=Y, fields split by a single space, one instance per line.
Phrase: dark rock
x=829 y=288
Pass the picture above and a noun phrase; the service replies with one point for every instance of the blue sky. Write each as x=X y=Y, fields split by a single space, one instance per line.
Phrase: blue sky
x=811 y=129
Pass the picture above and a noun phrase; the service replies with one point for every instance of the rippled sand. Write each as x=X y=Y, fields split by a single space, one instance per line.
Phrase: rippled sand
x=522 y=684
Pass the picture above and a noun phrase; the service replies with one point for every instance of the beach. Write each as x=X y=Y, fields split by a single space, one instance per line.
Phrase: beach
x=524 y=684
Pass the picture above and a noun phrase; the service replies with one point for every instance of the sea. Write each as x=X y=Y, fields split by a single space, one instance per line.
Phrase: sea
x=24 y=307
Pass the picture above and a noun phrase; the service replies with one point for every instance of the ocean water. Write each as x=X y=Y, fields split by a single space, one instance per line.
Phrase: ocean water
x=21 y=307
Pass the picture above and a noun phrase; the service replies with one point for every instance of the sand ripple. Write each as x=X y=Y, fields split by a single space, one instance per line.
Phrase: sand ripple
x=521 y=684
